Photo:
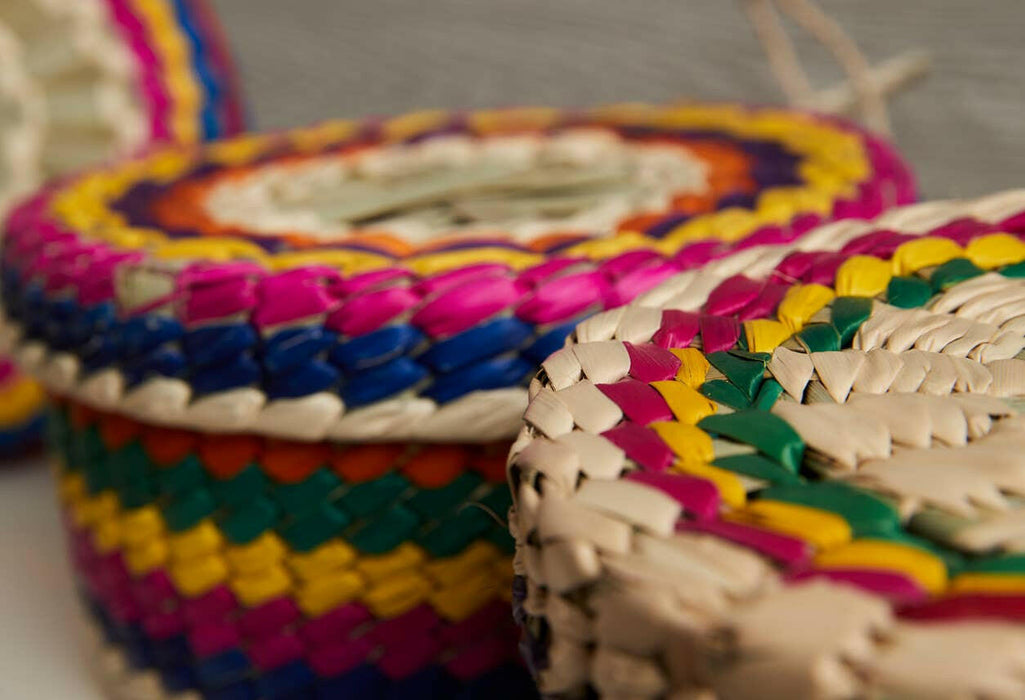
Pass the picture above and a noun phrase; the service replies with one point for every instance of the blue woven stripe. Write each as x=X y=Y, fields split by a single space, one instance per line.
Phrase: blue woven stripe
x=290 y=363
x=213 y=93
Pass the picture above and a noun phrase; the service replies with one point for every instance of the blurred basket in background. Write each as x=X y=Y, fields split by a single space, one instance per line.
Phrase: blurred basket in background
x=82 y=81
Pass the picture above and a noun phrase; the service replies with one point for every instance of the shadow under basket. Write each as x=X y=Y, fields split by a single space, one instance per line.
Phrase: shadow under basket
x=244 y=567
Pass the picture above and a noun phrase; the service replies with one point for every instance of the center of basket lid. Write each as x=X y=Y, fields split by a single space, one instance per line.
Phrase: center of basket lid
x=522 y=187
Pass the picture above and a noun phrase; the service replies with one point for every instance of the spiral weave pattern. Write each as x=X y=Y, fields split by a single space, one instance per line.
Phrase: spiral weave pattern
x=795 y=475
x=132 y=289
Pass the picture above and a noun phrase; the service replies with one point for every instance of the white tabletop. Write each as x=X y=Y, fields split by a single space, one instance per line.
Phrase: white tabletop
x=40 y=647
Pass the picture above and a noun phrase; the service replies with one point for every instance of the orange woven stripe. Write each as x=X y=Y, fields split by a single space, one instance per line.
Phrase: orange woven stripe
x=227 y=455
x=167 y=446
x=292 y=462
x=365 y=462
x=435 y=467
x=117 y=431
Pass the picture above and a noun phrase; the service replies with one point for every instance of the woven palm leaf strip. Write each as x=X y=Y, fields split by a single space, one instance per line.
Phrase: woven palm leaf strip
x=281 y=364
x=797 y=473
x=84 y=80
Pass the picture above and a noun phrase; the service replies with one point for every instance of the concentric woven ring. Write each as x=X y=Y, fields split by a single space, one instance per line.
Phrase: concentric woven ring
x=796 y=473
x=375 y=297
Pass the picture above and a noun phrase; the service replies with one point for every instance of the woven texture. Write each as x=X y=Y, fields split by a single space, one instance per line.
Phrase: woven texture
x=84 y=80
x=794 y=473
x=400 y=279
x=247 y=567
x=232 y=331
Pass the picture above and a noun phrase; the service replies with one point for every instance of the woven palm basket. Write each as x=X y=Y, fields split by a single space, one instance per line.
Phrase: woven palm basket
x=287 y=368
x=82 y=81
x=796 y=473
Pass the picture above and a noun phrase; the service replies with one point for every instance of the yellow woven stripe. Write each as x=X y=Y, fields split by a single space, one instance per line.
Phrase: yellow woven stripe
x=322 y=560
x=488 y=120
x=466 y=596
x=170 y=45
x=731 y=488
x=215 y=249
x=396 y=596
x=318 y=595
x=107 y=535
x=925 y=568
x=863 y=276
x=384 y=566
x=346 y=261
x=263 y=552
x=821 y=529
x=995 y=250
x=448 y=572
x=924 y=252
x=734 y=223
x=801 y=302
x=241 y=149
x=408 y=125
x=601 y=248
x=198 y=541
x=333 y=574
x=198 y=576
x=141 y=525
x=765 y=335
x=92 y=510
x=689 y=443
x=693 y=366
x=70 y=488
x=255 y=589
x=147 y=556
x=988 y=583
x=23 y=400
x=441 y=262
x=686 y=403
x=315 y=138
x=696 y=229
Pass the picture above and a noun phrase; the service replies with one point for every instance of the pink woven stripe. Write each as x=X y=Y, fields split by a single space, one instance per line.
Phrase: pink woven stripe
x=678 y=329
x=641 y=445
x=700 y=498
x=899 y=588
x=732 y=295
x=789 y=551
x=639 y=401
x=765 y=303
x=718 y=333
x=649 y=363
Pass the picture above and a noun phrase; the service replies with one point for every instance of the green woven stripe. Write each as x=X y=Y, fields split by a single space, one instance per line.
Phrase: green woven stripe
x=375 y=516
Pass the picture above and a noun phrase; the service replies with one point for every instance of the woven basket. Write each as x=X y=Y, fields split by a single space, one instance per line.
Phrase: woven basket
x=287 y=368
x=796 y=473
x=84 y=80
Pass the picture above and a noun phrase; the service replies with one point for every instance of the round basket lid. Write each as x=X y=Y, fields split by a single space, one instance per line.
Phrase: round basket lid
x=798 y=469
x=402 y=279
